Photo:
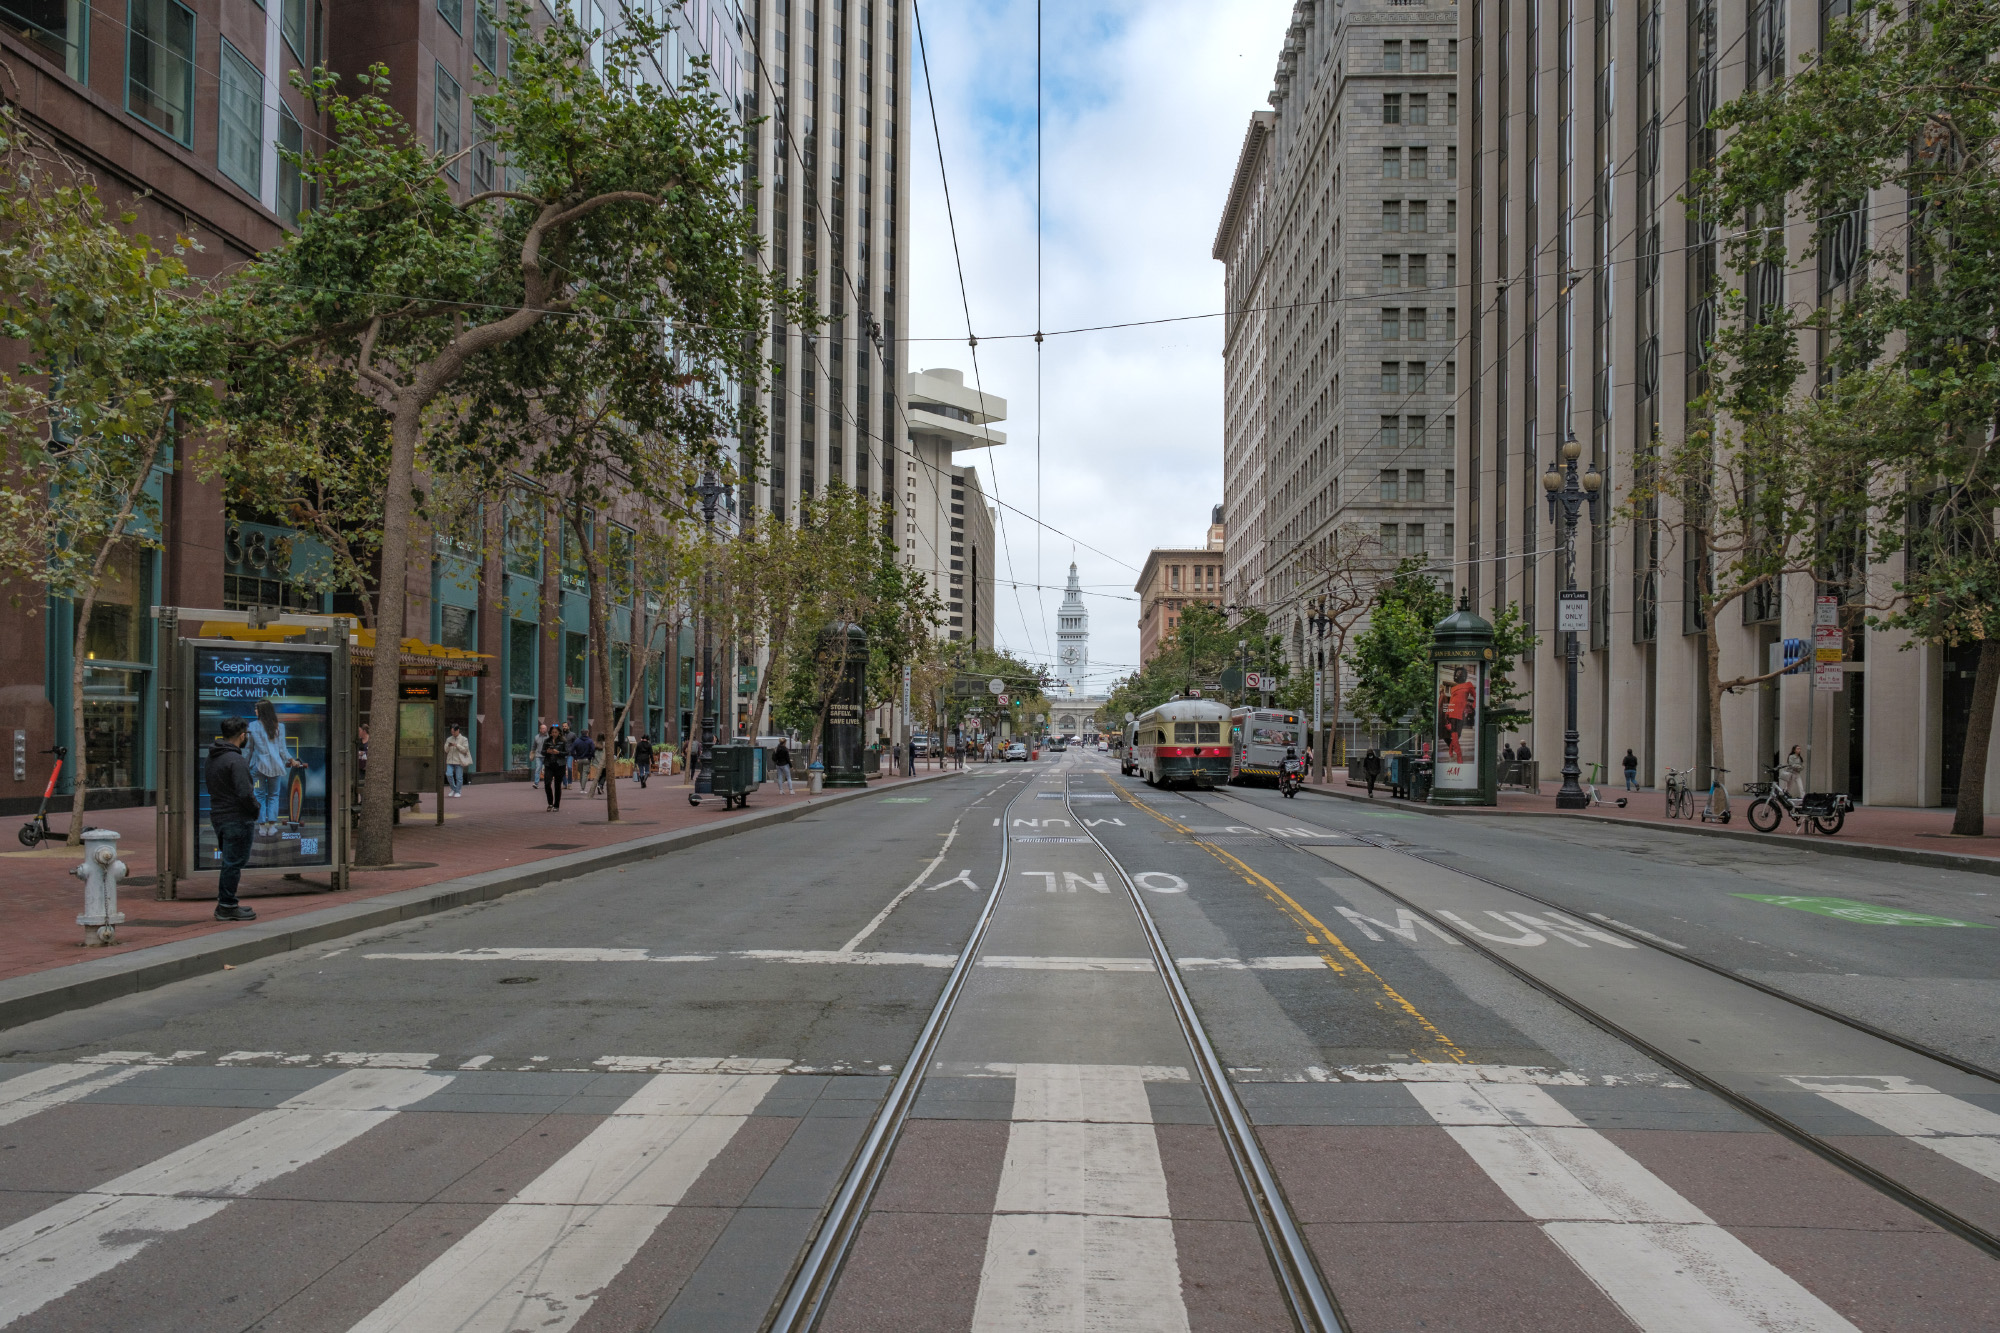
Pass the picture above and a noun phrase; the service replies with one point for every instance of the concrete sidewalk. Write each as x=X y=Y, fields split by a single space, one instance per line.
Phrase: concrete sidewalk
x=1900 y=833
x=493 y=827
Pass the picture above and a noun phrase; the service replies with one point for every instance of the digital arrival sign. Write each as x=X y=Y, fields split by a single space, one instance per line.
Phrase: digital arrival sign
x=286 y=698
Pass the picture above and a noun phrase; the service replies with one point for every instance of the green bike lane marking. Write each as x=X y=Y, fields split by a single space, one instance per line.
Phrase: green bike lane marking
x=1868 y=914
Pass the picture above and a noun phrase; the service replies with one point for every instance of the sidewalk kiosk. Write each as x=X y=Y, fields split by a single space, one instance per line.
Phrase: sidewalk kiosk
x=843 y=716
x=1464 y=740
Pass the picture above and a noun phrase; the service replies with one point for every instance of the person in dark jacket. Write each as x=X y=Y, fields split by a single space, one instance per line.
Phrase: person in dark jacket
x=642 y=759
x=232 y=812
x=1631 y=771
x=581 y=753
x=555 y=762
x=1371 y=769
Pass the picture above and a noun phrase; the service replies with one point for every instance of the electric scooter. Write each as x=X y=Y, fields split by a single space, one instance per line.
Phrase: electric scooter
x=38 y=831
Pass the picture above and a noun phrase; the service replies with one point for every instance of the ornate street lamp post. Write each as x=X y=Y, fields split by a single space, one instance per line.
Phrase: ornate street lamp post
x=1320 y=622
x=710 y=490
x=1568 y=494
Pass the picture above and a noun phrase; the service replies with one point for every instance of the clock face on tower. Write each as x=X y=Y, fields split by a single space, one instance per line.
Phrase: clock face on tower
x=1070 y=655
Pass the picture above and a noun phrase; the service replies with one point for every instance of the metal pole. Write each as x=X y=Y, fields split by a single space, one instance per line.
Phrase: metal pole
x=1571 y=796
x=908 y=747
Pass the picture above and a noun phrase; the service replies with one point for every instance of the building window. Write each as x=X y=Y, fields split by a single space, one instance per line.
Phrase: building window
x=1420 y=215
x=1392 y=215
x=1420 y=108
x=1392 y=57
x=239 y=139
x=1419 y=270
x=59 y=28
x=1391 y=376
x=1418 y=439
x=1392 y=325
x=291 y=178
x=1420 y=57
x=294 y=20
x=1451 y=56
x=1392 y=108
x=1417 y=325
x=1392 y=163
x=1451 y=320
x=1451 y=108
x=485 y=39
x=1451 y=164
x=1414 y=478
x=159 y=66
x=444 y=110
x=1386 y=485
x=482 y=154
x=1392 y=270
x=1173 y=578
x=1420 y=164
x=1451 y=377
x=1413 y=540
x=523 y=663
x=453 y=12
x=1391 y=535
x=1414 y=373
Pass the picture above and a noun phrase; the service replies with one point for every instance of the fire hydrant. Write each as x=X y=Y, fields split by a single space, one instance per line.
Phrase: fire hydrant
x=100 y=872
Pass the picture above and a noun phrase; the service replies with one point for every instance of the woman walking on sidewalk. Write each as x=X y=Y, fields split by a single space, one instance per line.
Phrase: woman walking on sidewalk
x=457 y=759
x=642 y=759
x=781 y=766
x=555 y=761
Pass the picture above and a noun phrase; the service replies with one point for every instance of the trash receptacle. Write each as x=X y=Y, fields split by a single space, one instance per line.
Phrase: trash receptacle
x=737 y=772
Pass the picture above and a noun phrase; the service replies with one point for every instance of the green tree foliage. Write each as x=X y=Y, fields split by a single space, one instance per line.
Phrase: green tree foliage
x=113 y=368
x=623 y=206
x=1202 y=646
x=1395 y=682
x=1902 y=103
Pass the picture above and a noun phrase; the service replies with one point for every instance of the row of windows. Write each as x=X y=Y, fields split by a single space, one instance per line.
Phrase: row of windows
x=1200 y=578
x=1418 y=377
x=1418 y=60
x=1412 y=539
x=1423 y=164
x=1418 y=215
x=1415 y=109
x=1410 y=483
x=1420 y=270
x=1416 y=324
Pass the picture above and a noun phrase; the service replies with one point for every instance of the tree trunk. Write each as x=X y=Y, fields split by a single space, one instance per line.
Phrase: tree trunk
x=772 y=650
x=1711 y=657
x=375 y=838
x=79 y=771
x=1969 y=819
x=600 y=670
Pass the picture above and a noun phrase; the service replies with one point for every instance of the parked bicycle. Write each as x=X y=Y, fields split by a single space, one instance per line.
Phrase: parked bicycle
x=1680 y=797
x=1816 y=812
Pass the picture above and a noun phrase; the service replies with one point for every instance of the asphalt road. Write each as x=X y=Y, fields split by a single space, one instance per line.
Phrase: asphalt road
x=621 y=1102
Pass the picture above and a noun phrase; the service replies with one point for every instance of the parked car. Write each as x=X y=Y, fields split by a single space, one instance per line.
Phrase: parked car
x=1015 y=751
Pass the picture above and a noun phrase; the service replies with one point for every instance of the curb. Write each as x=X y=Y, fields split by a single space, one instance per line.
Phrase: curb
x=1866 y=851
x=58 y=990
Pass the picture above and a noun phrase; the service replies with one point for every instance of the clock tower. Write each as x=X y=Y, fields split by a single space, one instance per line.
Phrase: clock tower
x=1073 y=638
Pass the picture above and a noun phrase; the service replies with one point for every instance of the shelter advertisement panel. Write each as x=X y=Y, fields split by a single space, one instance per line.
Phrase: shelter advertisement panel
x=286 y=699
x=1456 y=755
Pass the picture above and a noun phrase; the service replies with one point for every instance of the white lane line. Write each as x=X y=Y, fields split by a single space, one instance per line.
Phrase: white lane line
x=28 y=1094
x=1659 y=1258
x=842 y=956
x=897 y=901
x=64 y=1246
x=1058 y=963
x=1642 y=934
x=1081 y=1237
x=1966 y=1133
x=546 y=955
x=542 y=1259
x=1303 y=962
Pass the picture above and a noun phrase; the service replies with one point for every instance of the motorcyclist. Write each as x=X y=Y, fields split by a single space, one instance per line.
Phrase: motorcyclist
x=1291 y=771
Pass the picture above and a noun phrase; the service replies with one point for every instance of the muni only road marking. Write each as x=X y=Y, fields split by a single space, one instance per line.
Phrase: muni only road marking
x=1867 y=914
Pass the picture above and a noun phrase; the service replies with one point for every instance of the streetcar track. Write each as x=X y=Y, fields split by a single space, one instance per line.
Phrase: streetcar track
x=1918 y=1202
x=814 y=1277
x=1300 y=1282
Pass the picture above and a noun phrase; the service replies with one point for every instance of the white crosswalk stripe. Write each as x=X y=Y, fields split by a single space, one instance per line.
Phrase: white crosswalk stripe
x=1081 y=1237
x=1949 y=1126
x=1663 y=1261
x=64 y=1246
x=38 y=1090
x=541 y=1260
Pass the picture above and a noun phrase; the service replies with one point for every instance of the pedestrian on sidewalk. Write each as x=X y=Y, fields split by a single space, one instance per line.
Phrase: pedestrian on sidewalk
x=232 y=812
x=1371 y=769
x=457 y=759
x=555 y=757
x=781 y=767
x=642 y=759
x=582 y=754
x=1631 y=770
x=361 y=753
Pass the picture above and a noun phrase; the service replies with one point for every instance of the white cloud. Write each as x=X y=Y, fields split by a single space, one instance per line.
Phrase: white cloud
x=1144 y=108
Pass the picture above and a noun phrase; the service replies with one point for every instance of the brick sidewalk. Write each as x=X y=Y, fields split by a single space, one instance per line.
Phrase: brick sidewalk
x=1906 y=827
x=493 y=826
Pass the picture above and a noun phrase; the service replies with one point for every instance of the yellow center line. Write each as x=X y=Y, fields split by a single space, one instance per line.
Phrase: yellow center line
x=1307 y=921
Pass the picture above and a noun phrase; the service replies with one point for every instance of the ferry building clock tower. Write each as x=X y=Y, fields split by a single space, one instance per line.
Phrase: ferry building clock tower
x=1073 y=638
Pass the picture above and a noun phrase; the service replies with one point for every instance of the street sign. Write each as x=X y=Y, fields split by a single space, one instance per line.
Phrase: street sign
x=1829 y=650
x=1003 y=701
x=1194 y=693
x=1254 y=680
x=1826 y=611
x=1573 y=611
x=996 y=686
x=1829 y=677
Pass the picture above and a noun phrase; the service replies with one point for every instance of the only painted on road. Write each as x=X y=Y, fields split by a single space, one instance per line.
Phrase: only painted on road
x=1867 y=914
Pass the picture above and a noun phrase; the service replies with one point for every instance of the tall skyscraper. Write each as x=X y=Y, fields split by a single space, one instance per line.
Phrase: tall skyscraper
x=1073 y=638
x=829 y=80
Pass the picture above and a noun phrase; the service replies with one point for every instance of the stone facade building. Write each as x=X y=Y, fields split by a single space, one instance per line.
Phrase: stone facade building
x=947 y=526
x=1341 y=361
x=1171 y=579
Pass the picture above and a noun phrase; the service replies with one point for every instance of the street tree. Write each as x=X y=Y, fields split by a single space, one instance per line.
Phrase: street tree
x=113 y=371
x=1395 y=683
x=1339 y=575
x=622 y=201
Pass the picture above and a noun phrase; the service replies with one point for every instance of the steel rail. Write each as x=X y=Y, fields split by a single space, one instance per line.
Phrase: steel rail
x=1306 y=1294
x=813 y=1278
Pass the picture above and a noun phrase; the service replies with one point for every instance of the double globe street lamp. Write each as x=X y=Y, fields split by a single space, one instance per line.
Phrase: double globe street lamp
x=1568 y=494
x=710 y=489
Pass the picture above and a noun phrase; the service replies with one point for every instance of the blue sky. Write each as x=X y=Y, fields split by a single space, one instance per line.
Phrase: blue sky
x=1144 y=108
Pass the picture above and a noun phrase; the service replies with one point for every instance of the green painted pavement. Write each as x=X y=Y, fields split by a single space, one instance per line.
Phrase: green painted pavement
x=1868 y=914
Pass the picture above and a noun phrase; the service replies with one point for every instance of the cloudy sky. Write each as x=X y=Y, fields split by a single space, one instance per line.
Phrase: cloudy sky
x=1144 y=105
